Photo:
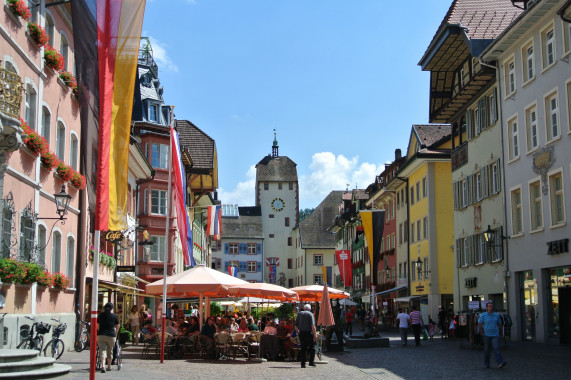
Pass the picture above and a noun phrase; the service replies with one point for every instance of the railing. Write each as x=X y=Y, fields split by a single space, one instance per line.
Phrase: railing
x=10 y=93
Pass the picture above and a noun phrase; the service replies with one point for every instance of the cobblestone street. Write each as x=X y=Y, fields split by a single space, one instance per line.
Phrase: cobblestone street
x=440 y=359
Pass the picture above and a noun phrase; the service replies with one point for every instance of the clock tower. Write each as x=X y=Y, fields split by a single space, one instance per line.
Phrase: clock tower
x=277 y=194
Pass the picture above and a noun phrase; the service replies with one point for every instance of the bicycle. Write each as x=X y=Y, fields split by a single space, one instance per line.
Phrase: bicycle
x=117 y=358
x=55 y=346
x=83 y=342
x=31 y=341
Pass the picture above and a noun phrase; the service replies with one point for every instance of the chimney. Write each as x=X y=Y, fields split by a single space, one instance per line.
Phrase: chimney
x=398 y=154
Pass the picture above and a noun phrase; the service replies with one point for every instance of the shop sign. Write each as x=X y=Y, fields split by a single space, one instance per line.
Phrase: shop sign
x=471 y=282
x=558 y=246
x=125 y=268
x=420 y=288
x=473 y=305
x=113 y=236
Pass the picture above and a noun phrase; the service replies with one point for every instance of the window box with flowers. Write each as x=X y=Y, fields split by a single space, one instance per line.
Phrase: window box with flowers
x=105 y=258
x=53 y=58
x=65 y=172
x=77 y=181
x=49 y=160
x=38 y=34
x=60 y=281
x=12 y=271
x=68 y=79
x=20 y=9
x=35 y=143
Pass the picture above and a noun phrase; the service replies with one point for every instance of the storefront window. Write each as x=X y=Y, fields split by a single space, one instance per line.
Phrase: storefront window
x=560 y=298
x=528 y=286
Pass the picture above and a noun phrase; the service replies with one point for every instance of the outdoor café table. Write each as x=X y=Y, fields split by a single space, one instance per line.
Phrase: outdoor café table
x=270 y=346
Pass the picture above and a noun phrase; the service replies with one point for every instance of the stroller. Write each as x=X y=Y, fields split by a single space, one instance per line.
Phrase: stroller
x=117 y=358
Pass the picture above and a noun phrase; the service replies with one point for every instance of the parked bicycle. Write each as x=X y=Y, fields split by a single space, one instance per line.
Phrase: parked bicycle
x=55 y=346
x=117 y=358
x=31 y=341
x=83 y=342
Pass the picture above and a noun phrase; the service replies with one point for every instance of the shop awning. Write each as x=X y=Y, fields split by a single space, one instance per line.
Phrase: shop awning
x=119 y=287
x=390 y=290
x=136 y=278
x=408 y=298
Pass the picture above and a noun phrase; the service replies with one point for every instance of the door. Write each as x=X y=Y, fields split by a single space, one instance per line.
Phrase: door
x=565 y=315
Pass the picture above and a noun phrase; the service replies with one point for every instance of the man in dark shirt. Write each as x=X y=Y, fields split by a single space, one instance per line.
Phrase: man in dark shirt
x=107 y=329
x=207 y=334
x=305 y=324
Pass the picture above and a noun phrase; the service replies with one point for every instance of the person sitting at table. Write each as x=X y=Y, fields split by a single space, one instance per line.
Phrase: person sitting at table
x=251 y=325
x=233 y=325
x=148 y=331
x=243 y=326
x=170 y=327
x=284 y=333
x=270 y=328
x=207 y=334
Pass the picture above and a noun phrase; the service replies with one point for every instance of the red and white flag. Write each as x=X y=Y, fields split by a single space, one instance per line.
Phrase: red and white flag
x=214 y=222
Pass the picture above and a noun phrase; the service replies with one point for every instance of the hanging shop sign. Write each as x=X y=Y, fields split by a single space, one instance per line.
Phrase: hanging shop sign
x=125 y=268
x=471 y=282
x=113 y=236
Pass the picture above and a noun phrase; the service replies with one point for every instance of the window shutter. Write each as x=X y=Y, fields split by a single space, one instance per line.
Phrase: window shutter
x=146 y=203
x=483 y=109
x=470 y=190
x=243 y=266
x=242 y=248
x=218 y=263
x=259 y=248
x=484 y=181
x=498 y=177
x=469 y=125
x=455 y=194
x=226 y=264
x=501 y=243
x=259 y=266
x=226 y=249
x=458 y=256
x=493 y=107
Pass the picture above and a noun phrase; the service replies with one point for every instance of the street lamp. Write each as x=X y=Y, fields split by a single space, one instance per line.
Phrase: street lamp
x=146 y=244
x=419 y=265
x=490 y=237
x=62 y=203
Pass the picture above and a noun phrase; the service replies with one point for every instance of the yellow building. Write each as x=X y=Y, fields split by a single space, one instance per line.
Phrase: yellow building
x=427 y=173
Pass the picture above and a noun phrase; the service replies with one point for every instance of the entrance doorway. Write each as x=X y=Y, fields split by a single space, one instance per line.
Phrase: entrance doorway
x=565 y=315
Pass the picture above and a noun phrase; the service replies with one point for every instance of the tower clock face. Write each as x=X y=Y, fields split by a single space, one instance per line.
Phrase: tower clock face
x=278 y=204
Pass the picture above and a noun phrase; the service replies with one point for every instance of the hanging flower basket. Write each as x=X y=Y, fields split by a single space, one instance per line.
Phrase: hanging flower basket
x=68 y=79
x=53 y=58
x=49 y=160
x=20 y=9
x=34 y=142
x=38 y=34
x=64 y=171
x=77 y=180
x=60 y=281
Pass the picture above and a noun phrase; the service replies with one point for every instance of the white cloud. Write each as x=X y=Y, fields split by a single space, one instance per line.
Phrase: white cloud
x=161 y=56
x=244 y=192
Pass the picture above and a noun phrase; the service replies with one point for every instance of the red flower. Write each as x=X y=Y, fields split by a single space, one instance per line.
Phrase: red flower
x=64 y=171
x=77 y=180
x=49 y=160
x=21 y=9
x=38 y=34
x=53 y=58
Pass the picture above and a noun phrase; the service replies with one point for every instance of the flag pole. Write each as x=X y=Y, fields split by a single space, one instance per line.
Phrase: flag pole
x=166 y=256
x=94 y=306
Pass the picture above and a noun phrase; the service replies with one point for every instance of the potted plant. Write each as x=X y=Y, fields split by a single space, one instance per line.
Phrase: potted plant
x=38 y=34
x=68 y=79
x=45 y=279
x=34 y=142
x=12 y=271
x=20 y=9
x=49 y=160
x=124 y=335
x=64 y=171
x=53 y=58
x=77 y=180
x=60 y=281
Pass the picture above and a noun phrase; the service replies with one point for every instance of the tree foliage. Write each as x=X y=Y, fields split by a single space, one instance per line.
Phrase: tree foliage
x=304 y=213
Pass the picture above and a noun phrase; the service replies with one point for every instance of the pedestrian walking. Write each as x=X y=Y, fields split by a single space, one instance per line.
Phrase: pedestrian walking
x=107 y=329
x=417 y=322
x=490 y=324
x=349 y=322
x=403 y=319
x=442 y=322
x=305 y=324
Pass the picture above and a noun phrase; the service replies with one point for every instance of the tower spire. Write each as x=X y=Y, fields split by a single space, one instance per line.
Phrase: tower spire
x=275 y=146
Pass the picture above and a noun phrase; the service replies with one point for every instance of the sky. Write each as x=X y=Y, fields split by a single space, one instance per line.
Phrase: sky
x=338 y=80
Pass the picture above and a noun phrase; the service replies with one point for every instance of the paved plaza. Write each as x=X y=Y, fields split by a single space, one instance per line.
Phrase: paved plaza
x=440 y=359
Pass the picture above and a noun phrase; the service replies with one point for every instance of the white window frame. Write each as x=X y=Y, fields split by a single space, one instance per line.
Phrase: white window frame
x=318 y=260
x=552 y=124
x=513 y=138
x=509 y=72
x=465 y=252
x=60 y=140
x=535 y=205
x=233 y=248
x=252 y=249
x=157 y=249
x=159 y=202
x=568 y=87
x=50 y=27
x=73 y=150
x=64 y=49
x=553 y=192
x=424 y=188
x=478 y=183
x=30 y=104
x=531 y=128
x=255 y=266
x=318 y=279
x=516 y=211
x=46 y=125
x=425 y=227
x=528 y=62
x=162 y=150
x=480 y=249
x=548 y=47
x=154 y=106
x=566 y=38
x=464 y=190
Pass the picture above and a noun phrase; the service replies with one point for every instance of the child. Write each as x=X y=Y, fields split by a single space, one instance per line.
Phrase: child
x=431 y=327
x=452 y=328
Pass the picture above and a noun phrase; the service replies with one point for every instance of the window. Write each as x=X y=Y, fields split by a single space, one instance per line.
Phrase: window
x=412 y=235
x=478 y=180
x=510 y=77
x=412 y=195
x=60 y=140
x=289 y=263
x=160 y=156
x=287 y=221
x=50 y=29
x=252 y=249
x=492 y=100
x=279 y=185
x=418 y=230
x=424 y=188
x=552 y=116
x=291 y=185
x=400 y=233
x=158 y=202
x=567 y=38
x=27 y=234
x=153 y=113
x=289 y=241
x=46 y=124
x=556 y=199
x=266 y=186
x=425 y=227
x=318 y=260
x=528 y=62
x=548 y=47
x=56 y=252
x=33 y=7
x=464 y=193
x=234 y=264
x=30 y=99
x=42 y=242
x=64 y=50
x=413 y=270
x=418 y=191
x=513 y=139
x=496 y=179
x=517 y=227
x=318 y=279
x=158 y=248
x=70 y=259
x=425 y=266
x=252 y=266
x=272 y=236
x=535 y=206
x=233 y=248
x=73 y=151
x=480 y=249
x=531 y=128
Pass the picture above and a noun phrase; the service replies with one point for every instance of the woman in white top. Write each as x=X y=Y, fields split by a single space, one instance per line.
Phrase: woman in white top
x=134 y=323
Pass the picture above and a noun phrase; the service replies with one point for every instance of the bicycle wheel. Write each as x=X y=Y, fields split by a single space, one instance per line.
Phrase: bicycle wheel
x=80 y=344
x=119 y=362
x=39 y=342
x=54 y=348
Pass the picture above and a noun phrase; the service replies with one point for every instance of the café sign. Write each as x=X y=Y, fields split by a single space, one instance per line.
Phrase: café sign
x=113 y=236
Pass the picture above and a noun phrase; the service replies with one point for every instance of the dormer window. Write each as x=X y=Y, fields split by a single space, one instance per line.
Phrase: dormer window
x=146 y=81
x=153 y=113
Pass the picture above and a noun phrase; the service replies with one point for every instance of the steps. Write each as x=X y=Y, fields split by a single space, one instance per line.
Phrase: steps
x=22 y=364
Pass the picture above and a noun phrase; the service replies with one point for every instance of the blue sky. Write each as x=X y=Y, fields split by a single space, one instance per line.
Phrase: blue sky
x=338 y=80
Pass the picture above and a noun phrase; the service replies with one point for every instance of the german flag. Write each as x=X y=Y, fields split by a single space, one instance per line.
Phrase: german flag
x=373 y=225
x=106 y=41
